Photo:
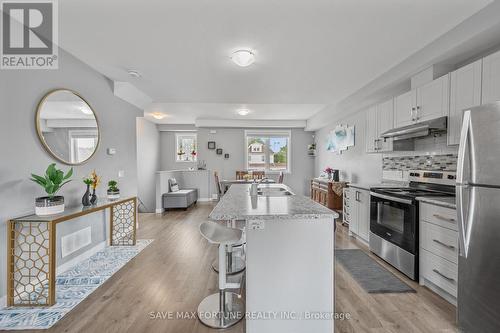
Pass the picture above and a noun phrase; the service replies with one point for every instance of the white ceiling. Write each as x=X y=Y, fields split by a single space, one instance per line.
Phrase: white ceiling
x=309 y=53
x=187 y=113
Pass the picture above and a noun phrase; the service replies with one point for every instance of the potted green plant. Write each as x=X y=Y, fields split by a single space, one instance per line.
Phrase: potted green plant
x=51 y=182
x=113 y=190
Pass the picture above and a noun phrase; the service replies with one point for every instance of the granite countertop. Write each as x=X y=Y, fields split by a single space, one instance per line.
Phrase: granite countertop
x=237 y=204
x=448 y=202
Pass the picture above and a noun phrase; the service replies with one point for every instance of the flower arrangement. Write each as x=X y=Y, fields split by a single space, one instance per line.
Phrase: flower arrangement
x=180 y=152
x=96 y=180
x=329 y=170
x=193 y=153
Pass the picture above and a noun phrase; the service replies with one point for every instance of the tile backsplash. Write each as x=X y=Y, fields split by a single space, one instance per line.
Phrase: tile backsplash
x=423 y=162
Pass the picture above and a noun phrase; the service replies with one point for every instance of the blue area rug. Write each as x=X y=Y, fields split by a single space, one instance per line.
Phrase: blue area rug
x=72 y=287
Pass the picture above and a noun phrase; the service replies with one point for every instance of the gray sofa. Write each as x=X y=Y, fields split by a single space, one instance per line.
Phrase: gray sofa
x=179 y=198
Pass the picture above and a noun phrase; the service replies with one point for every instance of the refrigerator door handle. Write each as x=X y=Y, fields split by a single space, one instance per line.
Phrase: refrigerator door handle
x=464 y=142
x=460 y=213
x=465 y=221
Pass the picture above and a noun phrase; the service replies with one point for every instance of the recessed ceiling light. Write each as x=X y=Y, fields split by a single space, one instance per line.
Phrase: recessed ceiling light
x=243 y=58
x=243 y=112
x=133 y=73
x=158 y=115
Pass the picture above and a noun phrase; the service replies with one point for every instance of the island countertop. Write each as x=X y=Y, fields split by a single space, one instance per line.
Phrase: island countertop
x=237 y=204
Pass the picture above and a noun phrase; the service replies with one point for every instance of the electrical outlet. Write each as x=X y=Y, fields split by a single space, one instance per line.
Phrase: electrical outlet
x=121 y=173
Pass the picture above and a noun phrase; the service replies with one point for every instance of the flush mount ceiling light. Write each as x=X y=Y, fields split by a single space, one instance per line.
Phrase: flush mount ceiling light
x=133 y=73
x=243 y=58
x=158 y=115
x=243 y=112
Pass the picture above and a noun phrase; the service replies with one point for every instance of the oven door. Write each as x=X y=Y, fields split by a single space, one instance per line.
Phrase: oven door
x=395 y=220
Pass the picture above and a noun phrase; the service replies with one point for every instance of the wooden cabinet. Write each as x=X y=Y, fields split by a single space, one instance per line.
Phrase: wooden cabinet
x=465 y=92
x=371 y=130
x=346 y=216
x=404 y=109
x=359 y=211
x=385 y=122
x=491 y=78
x=438 y=266
x=379 y=119
x=424 y=103
x=322 y=192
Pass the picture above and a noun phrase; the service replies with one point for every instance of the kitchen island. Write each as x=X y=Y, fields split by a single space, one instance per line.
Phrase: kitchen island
x=289 y=258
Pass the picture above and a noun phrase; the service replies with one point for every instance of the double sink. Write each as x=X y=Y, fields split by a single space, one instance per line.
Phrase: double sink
x=273 y=190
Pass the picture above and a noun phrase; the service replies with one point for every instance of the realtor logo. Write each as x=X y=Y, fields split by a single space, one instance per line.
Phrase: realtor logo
x=29 y=35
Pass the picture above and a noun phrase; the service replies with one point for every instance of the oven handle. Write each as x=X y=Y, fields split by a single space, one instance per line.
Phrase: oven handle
x=382 y=196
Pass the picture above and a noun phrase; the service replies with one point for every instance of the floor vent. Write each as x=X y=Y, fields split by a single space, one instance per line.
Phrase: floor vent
x=75 y=241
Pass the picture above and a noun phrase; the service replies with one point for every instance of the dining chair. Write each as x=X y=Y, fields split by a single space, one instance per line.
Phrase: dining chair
x=217 y=184
x=281 y=177
x=258 y=174
x=240 y=174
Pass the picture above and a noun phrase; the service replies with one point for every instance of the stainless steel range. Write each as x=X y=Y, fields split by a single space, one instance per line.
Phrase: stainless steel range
x=394 y=217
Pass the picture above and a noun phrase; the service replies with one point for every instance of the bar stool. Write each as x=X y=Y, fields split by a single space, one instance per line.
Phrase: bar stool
x=235 y=262
x=224 y=309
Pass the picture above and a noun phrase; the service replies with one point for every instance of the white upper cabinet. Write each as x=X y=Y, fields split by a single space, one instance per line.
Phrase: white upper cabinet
x=424 y=103
x=371 y=130
x=465 y=86
x=491 y=78
x=385 y=122
x=404 y=108
x=433 y=99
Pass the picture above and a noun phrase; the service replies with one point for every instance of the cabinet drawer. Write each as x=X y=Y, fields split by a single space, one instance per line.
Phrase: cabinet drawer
x=439 y=271
x=442 y=216
x=440 y=241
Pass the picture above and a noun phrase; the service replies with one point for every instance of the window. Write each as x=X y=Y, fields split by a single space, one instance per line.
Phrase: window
x=82 y=144
x=186 y=148
x=268 y=151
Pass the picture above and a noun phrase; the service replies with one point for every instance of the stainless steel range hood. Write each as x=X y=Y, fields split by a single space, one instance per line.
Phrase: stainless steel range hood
x=418 y=130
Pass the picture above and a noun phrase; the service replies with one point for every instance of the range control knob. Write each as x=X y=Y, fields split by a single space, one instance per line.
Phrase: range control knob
x=452 y=177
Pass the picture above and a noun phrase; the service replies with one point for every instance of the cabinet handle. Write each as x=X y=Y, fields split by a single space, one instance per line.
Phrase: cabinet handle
x=451 y=247
x=411 y=113
x=443 y=276
x=357 y=196
x=418 y=108
x=440 y=217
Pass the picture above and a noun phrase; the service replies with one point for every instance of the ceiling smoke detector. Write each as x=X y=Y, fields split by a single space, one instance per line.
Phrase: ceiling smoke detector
x=243 y=58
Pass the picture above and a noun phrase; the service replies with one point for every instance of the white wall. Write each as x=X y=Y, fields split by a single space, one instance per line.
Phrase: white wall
x=356 y=165
x=148 y=162
x=232 y=141
x=22 y=153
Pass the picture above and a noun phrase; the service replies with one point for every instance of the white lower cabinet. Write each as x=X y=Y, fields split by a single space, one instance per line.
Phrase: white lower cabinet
x=438 y=263
x=359 y=213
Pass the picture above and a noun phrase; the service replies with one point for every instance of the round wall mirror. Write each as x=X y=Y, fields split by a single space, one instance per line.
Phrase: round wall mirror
x=67 y=126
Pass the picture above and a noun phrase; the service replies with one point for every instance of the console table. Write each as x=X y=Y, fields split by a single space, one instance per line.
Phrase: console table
x=31 y=245
x=327 y=192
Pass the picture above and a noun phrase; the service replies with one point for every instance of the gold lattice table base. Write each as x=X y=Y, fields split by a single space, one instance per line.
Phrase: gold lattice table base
x=31 y=257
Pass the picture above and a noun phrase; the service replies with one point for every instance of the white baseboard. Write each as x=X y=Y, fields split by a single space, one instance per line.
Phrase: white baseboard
x=204 y=199
x=85 y=255
x=159 y=211
x=67 y=265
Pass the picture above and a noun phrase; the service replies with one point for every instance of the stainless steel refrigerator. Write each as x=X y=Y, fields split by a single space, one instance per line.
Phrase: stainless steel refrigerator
x=478 y=208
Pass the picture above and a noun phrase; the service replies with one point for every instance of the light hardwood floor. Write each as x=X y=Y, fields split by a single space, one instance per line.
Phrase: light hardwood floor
x=174 y=274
